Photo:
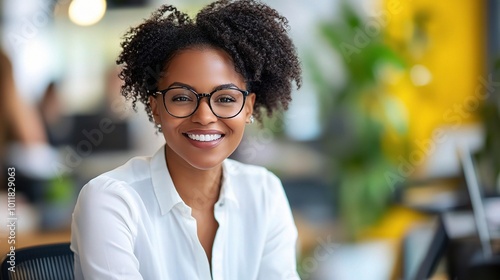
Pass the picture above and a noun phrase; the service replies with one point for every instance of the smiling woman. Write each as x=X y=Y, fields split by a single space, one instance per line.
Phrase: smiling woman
x=189 y=212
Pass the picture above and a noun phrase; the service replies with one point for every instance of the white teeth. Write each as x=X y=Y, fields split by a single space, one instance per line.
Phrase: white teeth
x=204 y=137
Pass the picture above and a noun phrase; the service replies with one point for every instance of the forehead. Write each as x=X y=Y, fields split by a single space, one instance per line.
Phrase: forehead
x=202 y=68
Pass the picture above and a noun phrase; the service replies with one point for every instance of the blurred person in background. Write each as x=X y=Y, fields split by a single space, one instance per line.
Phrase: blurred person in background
x=57 y=127
x=21 y=131
x=24 y=146
x=19 y=121
x=189 y=212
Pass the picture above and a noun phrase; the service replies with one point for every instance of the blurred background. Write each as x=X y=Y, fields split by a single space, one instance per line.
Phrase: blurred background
x=366 y=152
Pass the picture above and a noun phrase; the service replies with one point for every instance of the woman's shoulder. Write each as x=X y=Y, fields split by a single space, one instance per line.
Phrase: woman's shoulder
x=111 y=197
x=113 y=191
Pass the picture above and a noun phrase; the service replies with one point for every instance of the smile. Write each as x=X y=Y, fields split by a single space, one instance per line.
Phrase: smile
x=204 y=137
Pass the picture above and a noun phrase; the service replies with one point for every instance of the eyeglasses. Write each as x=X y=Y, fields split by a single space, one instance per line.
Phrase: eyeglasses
x=182 y=102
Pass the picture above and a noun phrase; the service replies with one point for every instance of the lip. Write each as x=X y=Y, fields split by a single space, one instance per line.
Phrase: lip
x=203 y=131
x=207 y=144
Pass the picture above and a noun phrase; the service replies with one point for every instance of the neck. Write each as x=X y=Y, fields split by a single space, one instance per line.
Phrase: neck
x=199 y=189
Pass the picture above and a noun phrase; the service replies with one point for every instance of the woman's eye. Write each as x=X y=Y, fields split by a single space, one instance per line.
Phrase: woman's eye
x=225 y=99
x=181 y=98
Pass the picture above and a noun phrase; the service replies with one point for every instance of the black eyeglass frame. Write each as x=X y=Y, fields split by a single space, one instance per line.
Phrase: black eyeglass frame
x=199 y=96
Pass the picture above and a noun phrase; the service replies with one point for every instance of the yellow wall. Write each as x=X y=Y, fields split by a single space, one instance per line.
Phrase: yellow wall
x=452 y=47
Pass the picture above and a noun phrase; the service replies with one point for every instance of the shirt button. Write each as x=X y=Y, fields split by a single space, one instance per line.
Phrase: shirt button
x=221 y=204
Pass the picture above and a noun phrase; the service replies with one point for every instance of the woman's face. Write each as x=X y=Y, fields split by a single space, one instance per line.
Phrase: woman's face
x=202 y=69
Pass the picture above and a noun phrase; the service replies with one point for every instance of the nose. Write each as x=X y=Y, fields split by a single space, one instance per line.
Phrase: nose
x=204 y=114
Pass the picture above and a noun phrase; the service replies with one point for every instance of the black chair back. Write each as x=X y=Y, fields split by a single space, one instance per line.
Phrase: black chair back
x=43 y=262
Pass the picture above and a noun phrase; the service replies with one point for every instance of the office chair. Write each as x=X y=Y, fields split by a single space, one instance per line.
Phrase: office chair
x=43 y=262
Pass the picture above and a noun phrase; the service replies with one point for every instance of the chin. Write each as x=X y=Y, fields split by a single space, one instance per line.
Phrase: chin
x=201 y=159
x=205 y=163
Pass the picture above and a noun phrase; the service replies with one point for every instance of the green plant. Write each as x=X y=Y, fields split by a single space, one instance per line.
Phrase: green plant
x=360 y=117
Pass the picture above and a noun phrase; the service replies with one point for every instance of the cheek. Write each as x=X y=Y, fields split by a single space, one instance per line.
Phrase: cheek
x=237 y=126
x=169 y=125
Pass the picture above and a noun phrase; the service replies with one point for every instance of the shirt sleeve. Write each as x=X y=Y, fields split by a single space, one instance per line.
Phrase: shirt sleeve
x=279 y=255
x=103 y=231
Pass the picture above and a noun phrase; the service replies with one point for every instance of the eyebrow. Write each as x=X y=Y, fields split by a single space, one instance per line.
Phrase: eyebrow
x=223 y=86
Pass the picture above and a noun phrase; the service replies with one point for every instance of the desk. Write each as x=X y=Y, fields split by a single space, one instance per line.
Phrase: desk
x=27 y=239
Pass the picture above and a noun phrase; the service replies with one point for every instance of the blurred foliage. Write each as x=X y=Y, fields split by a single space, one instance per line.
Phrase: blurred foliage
x=59 y=189
x=361 y=117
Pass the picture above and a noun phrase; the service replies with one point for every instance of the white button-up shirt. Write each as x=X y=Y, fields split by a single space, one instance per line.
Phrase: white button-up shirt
x=131 y=223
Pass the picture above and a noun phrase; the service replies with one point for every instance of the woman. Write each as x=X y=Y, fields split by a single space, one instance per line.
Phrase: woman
x=189 y=212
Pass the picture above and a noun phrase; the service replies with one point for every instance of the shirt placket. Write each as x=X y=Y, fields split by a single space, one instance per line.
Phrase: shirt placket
x=198 y=251
x=220 y=213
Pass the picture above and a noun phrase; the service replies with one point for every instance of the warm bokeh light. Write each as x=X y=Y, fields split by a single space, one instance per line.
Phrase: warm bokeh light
x=87 y=12
x=420 y=75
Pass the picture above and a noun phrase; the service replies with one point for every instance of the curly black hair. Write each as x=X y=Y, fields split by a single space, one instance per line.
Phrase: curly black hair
x=252 y=33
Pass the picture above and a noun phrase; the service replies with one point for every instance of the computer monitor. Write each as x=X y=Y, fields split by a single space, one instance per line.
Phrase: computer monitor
x=466 y=259
x=88 y=129
x=476 y=199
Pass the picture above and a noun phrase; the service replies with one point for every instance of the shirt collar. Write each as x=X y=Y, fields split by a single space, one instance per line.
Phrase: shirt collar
x=164 y=188
x=227 y=189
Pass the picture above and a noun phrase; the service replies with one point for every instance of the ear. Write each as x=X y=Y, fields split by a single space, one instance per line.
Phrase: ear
x=155 y=109
x=249 y=103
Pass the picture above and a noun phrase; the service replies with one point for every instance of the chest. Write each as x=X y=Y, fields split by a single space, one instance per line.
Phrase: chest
x=206 y=227
x=191 y=245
